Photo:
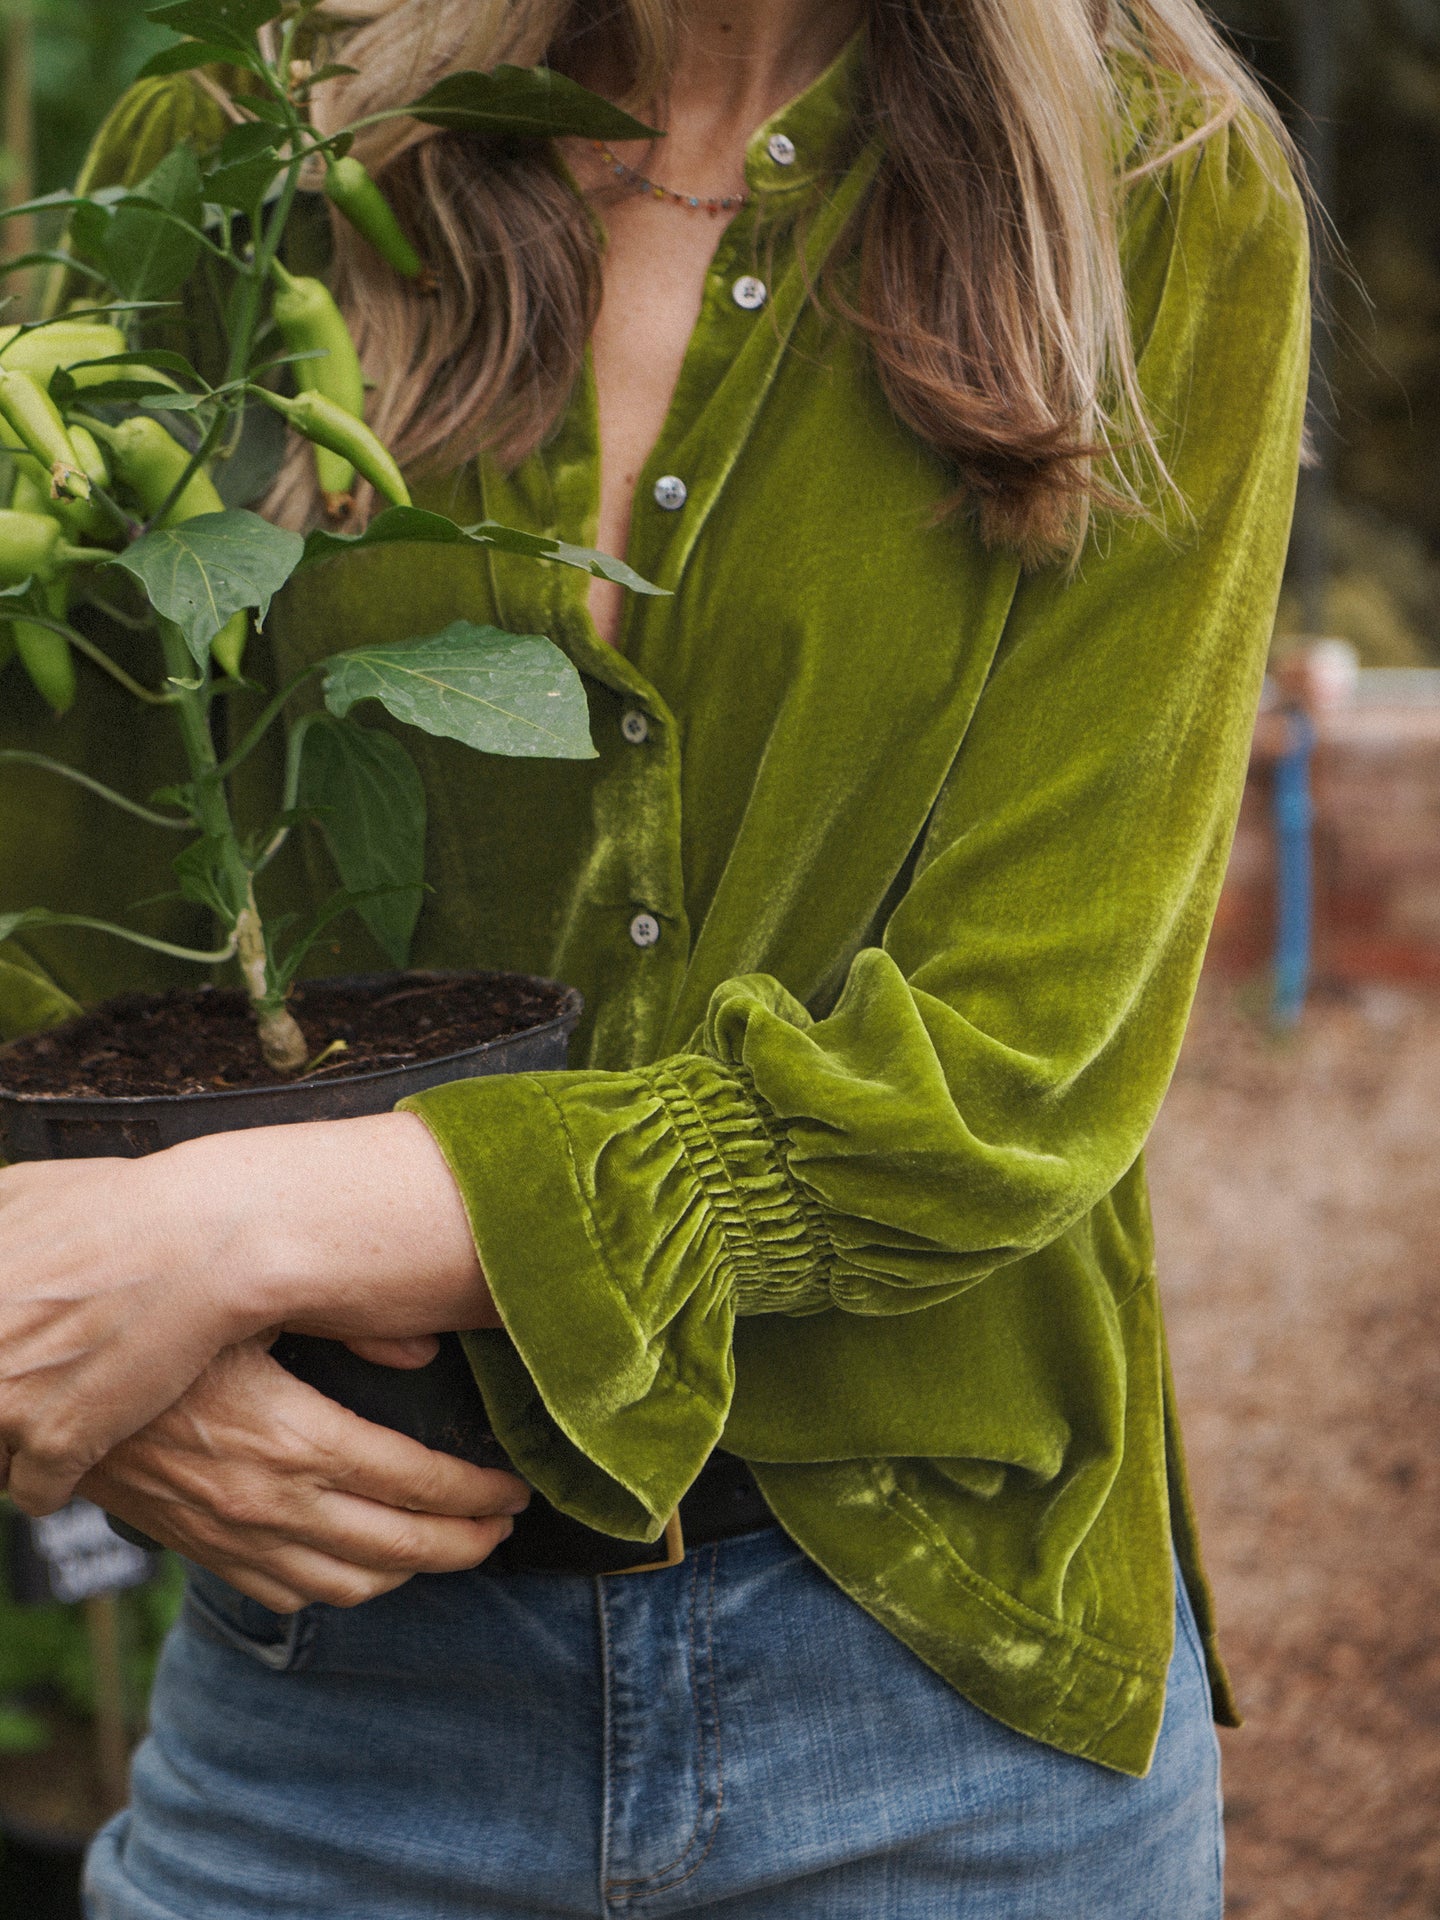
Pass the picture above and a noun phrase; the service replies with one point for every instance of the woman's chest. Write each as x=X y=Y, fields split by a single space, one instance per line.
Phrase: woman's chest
x=774 y=731
x=656 y=265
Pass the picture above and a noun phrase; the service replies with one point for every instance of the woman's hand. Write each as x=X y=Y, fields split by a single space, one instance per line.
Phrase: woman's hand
x=120 y=1280
x=292 y=1498
x=106 y=1315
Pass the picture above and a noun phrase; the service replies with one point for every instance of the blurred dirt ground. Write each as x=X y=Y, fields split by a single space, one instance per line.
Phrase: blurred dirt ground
x=1297 y=1201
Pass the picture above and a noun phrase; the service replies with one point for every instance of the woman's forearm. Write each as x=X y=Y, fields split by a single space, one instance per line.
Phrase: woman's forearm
x=353 y=1228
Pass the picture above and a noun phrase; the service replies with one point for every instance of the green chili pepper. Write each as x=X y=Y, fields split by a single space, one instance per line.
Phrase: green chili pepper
x=28 y=550
x=349 y=188
x=92 y=460
x=40 y=353
x=28 y=546
x=30 y=497
x=81 y=519
x=149 y=461
x=310 y=322
x=35 y=419
x=317 y=418
x=62 y=343
x=46 y=656
x=228 y=646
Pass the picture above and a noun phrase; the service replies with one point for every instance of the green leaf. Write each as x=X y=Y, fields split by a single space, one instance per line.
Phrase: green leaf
x=157 y=358
x=145 y=252
x=256 y=461
x=48 y=257
x=369 y=801
x=222 y=23
x=282 y=972
x=208 y=874
x=90 y=225
x=244 y=167
x=105 y=393
x=265 y=109
x=497 y=692
x=64 y=386
x=61 y=201
x=415 y=524
x=200 y=573
x=183 y=59
x=243 y=187
x=525 y=103
x=245 y=142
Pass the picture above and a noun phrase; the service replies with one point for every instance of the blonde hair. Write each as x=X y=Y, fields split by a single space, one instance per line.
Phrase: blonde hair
x=989 y=282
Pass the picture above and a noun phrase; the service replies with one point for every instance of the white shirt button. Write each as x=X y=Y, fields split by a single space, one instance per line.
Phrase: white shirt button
x=635 y=727
x=671 y=492
x=781 y=149
x=749 y=293
x=645 y=930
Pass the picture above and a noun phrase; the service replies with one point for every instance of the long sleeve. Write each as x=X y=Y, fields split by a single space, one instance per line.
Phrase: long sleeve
x=991 y=1068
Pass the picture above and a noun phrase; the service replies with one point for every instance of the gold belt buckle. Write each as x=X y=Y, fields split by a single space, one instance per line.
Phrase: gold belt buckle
x=672 y=1540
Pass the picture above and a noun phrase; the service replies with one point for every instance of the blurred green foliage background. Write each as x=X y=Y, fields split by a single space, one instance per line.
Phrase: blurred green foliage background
x=85 y=52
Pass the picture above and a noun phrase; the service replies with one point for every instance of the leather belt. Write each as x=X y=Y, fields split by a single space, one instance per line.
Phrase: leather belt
x=723 y=1501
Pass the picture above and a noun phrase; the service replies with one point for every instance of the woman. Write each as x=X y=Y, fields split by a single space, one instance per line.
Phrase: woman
x=964 y=434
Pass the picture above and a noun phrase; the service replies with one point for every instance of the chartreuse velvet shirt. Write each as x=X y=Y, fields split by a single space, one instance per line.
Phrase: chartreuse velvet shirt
x=887 y=894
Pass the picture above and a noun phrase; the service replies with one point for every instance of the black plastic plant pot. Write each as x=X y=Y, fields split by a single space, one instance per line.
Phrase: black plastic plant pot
x=39 y=1872
x=438 y=1405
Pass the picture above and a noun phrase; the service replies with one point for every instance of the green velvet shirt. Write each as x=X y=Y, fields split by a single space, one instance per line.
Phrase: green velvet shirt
x=887 y=894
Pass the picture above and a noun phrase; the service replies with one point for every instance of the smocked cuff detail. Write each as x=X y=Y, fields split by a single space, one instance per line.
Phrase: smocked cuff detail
x=777 y=1253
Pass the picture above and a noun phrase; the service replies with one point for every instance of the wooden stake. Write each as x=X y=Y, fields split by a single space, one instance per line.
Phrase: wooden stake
x=112 y=1737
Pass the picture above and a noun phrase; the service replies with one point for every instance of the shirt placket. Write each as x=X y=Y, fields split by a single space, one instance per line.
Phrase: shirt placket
x=632 y=905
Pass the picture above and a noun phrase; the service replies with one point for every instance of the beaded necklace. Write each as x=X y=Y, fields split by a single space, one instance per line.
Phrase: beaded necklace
x=639 y=183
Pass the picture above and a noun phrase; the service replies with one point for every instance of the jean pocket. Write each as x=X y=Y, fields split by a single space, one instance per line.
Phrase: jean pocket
x=280 y=1641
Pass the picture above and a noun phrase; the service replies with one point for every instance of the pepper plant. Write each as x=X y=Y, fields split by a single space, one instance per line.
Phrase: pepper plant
x=121 y=450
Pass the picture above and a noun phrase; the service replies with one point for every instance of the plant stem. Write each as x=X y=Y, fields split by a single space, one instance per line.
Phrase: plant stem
x=262 y=726
x=281 y=1041
x=283 y=1044
x=15 y=757
x=100 y=658
x=43 y=917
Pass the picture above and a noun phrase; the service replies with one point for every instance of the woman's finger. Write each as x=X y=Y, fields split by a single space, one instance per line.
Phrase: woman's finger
x=405 y=1354
x=384 y=1540
x=378 y=1464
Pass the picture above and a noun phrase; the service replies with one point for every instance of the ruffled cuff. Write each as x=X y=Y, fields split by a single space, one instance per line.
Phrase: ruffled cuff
x=623 y=1220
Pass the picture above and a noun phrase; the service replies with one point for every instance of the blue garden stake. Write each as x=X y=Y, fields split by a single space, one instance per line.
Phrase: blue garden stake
x=1294 y=820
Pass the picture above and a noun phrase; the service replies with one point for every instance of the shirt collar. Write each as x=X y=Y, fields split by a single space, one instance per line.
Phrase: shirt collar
x=813 y=137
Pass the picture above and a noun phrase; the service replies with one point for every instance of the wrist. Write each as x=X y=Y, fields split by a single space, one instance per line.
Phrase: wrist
x=211 y=1228
x=350 y=1228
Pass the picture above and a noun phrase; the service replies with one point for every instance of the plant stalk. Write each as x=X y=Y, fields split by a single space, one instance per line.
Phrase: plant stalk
x=281 y=1041
x=283 y=1044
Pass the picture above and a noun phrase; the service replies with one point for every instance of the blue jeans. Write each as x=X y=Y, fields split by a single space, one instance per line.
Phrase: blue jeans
x=732 y=1737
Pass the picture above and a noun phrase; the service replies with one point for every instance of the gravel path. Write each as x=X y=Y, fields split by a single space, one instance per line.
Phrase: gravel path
x=1297 y=1201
